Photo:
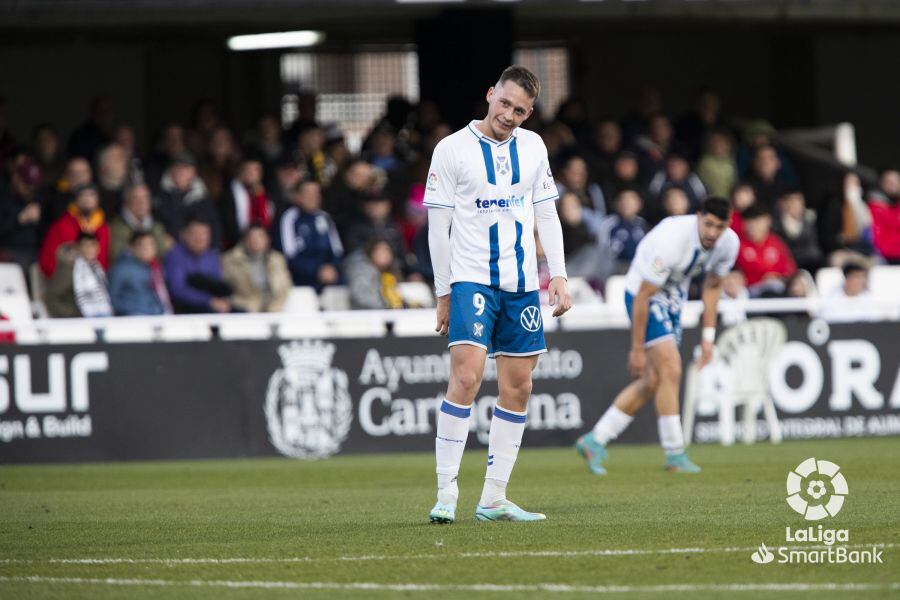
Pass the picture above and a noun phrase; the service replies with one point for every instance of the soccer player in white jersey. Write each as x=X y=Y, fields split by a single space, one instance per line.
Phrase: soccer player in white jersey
x=489 y=186
x=667 y=258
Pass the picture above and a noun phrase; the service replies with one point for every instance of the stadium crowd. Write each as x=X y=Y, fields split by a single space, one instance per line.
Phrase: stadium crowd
x=211 y=221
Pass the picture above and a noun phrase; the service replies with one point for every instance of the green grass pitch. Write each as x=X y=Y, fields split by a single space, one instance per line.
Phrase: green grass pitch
x=356 y=527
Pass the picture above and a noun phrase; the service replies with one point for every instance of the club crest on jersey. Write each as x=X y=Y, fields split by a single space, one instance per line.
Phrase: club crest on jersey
x=502 y=166
x=531 y=318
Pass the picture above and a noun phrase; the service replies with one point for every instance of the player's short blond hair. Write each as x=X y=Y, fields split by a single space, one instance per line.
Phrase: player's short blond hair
x=523 y=78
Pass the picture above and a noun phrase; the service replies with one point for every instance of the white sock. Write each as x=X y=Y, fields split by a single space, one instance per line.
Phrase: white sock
x=671 y=436
x=452 y=431
x=611 y=425
x=507 y=427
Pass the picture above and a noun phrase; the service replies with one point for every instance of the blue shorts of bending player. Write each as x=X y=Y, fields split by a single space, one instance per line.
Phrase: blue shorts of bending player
x=662 y=323
x=503 y=323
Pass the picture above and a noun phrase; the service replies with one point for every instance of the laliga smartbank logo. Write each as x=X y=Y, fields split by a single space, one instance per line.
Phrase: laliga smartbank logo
x=825 y=489
x=816 y=489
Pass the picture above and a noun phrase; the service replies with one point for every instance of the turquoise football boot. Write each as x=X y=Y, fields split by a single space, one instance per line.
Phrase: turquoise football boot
x=504 y=510
x=680 y=463
x=443 y=514
x=593 y=452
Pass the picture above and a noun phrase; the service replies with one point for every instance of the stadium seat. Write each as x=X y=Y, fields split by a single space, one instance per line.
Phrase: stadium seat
x=690 y=315
x=245 y=328
x=416 y=294
x=14 y=302
x=185 y=329
x=746 y=351
x=125 y=330
x=614 y=292
x=582 y=292
x=302 y=299
x=415 y=323
x=590 y=316
x=335 y=297
x=828 y=279
x=884 y=282
x=811 y=285
x=38 y=290
x=614 y=295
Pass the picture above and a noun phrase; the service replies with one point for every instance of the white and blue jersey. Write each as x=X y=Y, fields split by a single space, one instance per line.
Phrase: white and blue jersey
x=669 y=256
x=492 y=188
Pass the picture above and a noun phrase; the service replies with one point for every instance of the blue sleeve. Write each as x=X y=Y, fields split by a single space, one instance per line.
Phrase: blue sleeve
x=176 y=279
x=118 y=289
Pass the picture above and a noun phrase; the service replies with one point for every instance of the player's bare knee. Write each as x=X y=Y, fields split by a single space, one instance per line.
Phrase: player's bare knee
x=466 y=381
x=519 y=388
x=649 y=383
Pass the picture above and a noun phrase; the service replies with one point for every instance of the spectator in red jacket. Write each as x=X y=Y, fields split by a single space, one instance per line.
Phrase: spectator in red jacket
x=884 y=204
x=83 y=216
x=763 y=257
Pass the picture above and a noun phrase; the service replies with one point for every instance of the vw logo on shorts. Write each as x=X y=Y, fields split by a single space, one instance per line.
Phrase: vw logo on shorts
x=531 y=318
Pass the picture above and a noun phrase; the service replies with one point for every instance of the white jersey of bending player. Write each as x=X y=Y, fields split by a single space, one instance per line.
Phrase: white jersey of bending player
x=670 y=255
x=492 y=187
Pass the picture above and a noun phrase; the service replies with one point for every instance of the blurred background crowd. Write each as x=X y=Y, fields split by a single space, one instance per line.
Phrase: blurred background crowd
x=205 y=218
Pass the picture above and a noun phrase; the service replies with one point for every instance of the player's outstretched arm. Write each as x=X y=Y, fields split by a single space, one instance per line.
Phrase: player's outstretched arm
x=439 y=221
x=550 y=231
x=712 y=291
x=640 y=313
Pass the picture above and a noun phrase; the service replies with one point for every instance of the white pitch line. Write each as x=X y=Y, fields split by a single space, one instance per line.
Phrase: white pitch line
x=388 y=557
x=477 y=587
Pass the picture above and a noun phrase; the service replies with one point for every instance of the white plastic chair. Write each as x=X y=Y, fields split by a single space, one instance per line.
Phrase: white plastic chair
x=38 y=290
x=302 y=299
x=828 y=279
x=745 y=350
x=335 y=297
x=14 y=302
x=582 y=293
x=416 y=323
x=614 y=294
x=416 y=294
x=884 y=282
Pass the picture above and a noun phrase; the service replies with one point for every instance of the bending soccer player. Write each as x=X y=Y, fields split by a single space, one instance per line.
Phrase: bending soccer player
x=667 y=258
x=488 y=187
